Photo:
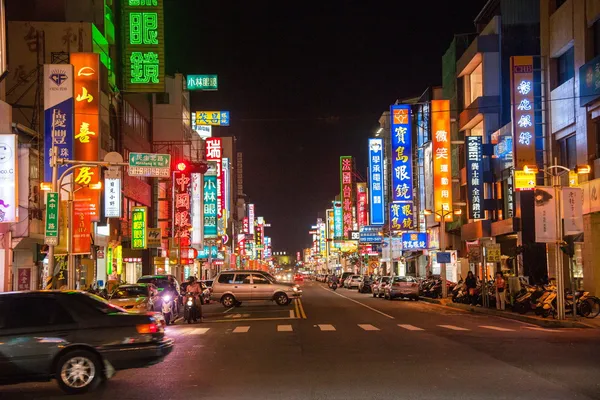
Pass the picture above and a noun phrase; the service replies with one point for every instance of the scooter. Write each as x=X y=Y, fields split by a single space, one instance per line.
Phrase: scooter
x=333 y=286
x=190 y=312
x=167 y=308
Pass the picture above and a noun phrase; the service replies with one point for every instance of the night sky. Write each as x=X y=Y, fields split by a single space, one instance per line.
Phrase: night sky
x=306 y=82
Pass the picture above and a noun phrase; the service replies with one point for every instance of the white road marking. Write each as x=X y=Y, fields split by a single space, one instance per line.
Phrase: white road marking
x=241 y=329
x=199 y=331
x=368 y=327
x=410 y=327
x=497 y=328
x=326 y=327
x=537 y=328
x=284 y=328
x=292 y=315
x=358 y=302
x=229 y=309
x=454 y=328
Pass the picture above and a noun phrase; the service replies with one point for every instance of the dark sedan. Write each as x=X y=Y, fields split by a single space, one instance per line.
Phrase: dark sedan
x=74 y=337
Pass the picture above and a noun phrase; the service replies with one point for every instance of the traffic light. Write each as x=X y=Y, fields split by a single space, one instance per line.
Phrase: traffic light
x=190 y=167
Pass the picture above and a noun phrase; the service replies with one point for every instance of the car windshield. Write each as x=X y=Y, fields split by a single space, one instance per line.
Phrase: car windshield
x=161 y=283
x=128 y=292
x=99 y=304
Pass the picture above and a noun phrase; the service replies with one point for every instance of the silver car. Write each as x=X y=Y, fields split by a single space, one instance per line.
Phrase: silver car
x=235 y=286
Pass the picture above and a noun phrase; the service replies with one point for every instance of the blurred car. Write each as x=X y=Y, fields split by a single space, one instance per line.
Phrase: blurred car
x=75 y=337
x=352 y=281
x=299 y=278
x=402 y=286
x=139 y=297
x=365 y=285
x=208 y=284
x=345 y=275
x=379 y=286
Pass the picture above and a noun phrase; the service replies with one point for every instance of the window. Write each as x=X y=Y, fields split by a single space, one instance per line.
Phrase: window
x=596 y=37
x=242 y=279
x=47 y=311
x=565 y=66
x=473 y=84
x=568 y=152
x=226 y=278
x=259 y=280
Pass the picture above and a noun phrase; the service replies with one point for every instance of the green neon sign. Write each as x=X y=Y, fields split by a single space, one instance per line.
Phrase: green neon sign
x=139 y=224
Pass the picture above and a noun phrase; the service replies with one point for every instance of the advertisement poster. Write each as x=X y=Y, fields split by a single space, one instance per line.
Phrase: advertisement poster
x=545 y=215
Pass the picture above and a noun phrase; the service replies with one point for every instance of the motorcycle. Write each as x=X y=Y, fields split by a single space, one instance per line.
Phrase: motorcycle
x=190 y=311
x=167 y=308
x=333 y=286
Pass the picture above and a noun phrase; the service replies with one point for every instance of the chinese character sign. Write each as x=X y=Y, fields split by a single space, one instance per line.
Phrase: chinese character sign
x=442 y=170
x=338 y=221
x=112 y=198
x=322 y=237
x=9 y=185
x=251 y=219
x=82 y=228
x=401 y=216
x=361 y=204
x=475 y=176
x=401 y=153
x=376 y=182
x=210 y=206
x=214 y=153
x=58 y=115
x=139 y=225
x=523 y=111
x=86 y=139
x=346 y=181
x=182 y=204
x=202 y=82
x=414 y=241
x=196 y=207
x=215 y=118
x=143 y=46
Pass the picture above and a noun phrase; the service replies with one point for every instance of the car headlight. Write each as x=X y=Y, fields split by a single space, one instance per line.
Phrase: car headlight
x=295 y=289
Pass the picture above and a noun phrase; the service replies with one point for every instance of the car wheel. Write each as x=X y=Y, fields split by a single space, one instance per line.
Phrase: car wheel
x=281 y=299
x=374 y=295
x=228 y=301
x=78 y=372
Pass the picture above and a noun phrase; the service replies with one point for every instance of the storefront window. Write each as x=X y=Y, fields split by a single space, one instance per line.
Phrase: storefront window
x=473 y=85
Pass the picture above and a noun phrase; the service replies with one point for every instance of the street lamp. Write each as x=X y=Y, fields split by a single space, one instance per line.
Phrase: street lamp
x=443 y=214
x=556 y=172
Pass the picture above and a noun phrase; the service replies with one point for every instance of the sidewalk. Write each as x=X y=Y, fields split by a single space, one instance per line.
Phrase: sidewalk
x=529 y=318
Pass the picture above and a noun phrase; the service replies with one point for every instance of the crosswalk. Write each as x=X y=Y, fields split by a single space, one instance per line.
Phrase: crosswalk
x=240 y=329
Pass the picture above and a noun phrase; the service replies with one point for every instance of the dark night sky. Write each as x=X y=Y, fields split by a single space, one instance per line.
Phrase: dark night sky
x=306 y=83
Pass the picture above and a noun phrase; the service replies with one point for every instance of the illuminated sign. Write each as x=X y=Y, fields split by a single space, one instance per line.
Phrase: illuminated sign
x=524 y=180
x=442 y=170
x=215 y=118
x=112 y=198
x=143 y=46
x=196 y=208
x=414 y=241
x=9 y=188
x=376 y=182
x=251 y=219
x=338 y=221
x=119 y=259
x=330 y=227
x=182 y=222
x=204 y=131
x=87 y=129
x=258 y=241
x=58 y=115
x=509 y=197
x=346 y=182
x=52 y=201
x=268 y=251
x=402 y=185
x=322 y=237
x=139 y=225
x=401 y=216
x=475 y=176
x=226 y=187
x=82 y=224
x=214 y=153
x=371 y=234
x=202 y=82
x=361 y=204
x=523 y=110
x=210 y=206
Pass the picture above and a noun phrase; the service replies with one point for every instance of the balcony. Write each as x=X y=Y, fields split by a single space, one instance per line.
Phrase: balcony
x=473 y=114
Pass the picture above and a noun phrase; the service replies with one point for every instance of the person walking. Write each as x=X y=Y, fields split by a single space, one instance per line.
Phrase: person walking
x=500 y=291
x=471 y=283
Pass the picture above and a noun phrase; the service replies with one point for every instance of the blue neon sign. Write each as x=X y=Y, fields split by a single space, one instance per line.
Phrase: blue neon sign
x=402 y=180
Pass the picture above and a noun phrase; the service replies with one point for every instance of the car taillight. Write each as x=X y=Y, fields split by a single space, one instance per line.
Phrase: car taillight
x=147 y=328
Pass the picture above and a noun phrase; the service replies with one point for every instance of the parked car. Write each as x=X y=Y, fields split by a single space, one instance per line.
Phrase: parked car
x=353 y=281
x=75 y=337
x=365 y=285
x=379 y=286
x=233 y=287
x=402 y=286
x=139 y=297
x=345 y=276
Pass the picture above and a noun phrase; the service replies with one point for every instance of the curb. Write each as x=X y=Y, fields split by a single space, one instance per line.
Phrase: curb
x=543 y=322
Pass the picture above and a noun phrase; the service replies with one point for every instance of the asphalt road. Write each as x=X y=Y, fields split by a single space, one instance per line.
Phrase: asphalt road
x=346 y=345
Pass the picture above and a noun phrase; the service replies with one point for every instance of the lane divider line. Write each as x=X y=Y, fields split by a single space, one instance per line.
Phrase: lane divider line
x=284 y=328
x=358 y=302
x=537 y=328
x=369 y=327
x=453 y=327
x=241 y=329
x=199 y=331
x=301 y=309
x=326 y=327
x=410 y=327
x=497 y=328
x=250 y=319
x=292 y=314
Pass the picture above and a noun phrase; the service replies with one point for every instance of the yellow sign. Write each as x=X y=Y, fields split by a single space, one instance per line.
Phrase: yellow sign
x=493 y=253
x=573 y=179
x=119 y=258
x=524 y=180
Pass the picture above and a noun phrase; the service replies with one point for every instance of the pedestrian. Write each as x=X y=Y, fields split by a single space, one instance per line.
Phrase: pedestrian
x=471 y=283
x=500 y=291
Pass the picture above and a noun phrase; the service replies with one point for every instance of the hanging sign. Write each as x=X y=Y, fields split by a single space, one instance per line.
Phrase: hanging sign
x=475 y=176
x=376 y=182
x=442 y=172
x=346 y=183
x=523 y=111
x=139 y=225
x=402 y=184
x=112 y=198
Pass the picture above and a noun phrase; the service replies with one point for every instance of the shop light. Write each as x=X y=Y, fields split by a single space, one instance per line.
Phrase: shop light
x=583 y=169
x=96 y=186
x=46 y=186
x=531 y=168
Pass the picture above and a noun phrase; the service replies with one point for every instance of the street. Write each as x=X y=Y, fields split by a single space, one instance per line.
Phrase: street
x=354 y=346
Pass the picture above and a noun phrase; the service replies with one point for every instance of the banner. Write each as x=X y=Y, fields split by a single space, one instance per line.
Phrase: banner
x=442 y=169
x=572 y=211
x=475 y=176
x=545 y=215
x=9 y=188
x=402 y=183
x=59 y=86
x=523 y=111
x=82 y=223
x=376 y=182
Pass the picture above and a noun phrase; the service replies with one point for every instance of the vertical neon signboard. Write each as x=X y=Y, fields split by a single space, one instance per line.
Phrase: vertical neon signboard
x=143 y=46
x=376 y=194
x=523 y=113
x=9 y=183
x=361 y=205
x=139 y=225
x=442 y=170
x=182 y=204
x=251 y=219
x=346 y=180
x=475 y=176
x=214 y=152
x=401 y=216
x=402 y=184
x=196 y=208
x=338 y=221
x=322 y=237
x=210 y=206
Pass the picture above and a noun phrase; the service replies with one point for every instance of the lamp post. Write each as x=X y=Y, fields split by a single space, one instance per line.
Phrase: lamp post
x=555 y=172
x=443 y=214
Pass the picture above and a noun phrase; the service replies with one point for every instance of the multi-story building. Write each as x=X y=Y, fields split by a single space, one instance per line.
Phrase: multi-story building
x=570 y=50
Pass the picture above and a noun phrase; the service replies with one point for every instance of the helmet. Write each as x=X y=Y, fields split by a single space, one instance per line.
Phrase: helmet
x=192 y=279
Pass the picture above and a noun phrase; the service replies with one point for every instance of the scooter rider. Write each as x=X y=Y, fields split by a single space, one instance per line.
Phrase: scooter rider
x=195 y=289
